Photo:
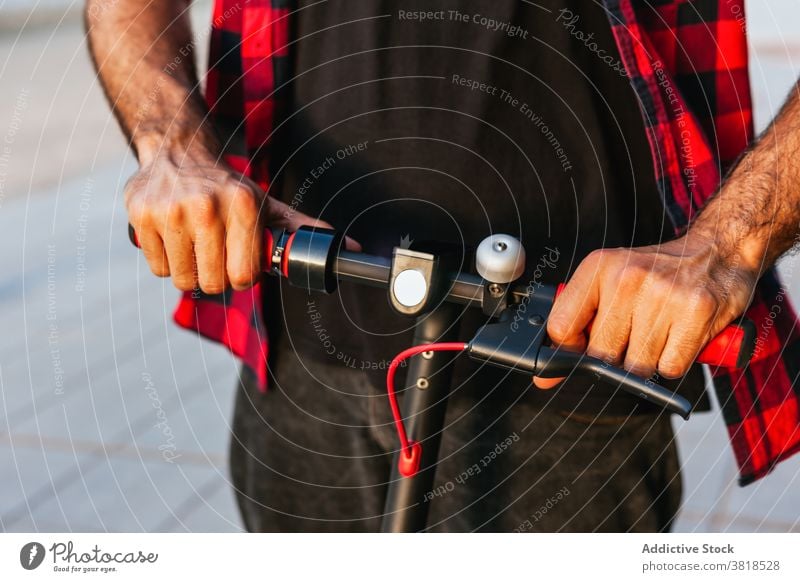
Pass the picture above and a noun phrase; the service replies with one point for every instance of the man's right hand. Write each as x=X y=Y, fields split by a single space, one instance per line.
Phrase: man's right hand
x=202 y=223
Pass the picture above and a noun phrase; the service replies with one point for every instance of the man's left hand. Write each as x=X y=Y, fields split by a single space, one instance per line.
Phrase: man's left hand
x=654 y=308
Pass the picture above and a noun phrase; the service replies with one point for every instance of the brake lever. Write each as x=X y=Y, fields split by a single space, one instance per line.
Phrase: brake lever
x=521 y=348
x=643 y=388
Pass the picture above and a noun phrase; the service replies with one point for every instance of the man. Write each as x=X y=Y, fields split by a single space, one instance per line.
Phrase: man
x=594 y=132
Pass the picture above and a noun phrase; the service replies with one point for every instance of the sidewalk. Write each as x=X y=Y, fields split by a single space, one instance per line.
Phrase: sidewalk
x=16 y=14
x=111 y=418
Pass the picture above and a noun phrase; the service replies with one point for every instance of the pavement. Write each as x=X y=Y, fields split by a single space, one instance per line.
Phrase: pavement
x=111 y=418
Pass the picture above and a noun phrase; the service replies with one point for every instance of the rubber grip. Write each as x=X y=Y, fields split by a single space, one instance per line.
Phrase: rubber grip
x=731 y=348
x=132 y=236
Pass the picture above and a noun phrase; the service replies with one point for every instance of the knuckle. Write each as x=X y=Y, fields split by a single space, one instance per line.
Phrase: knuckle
x=704 y=302
x=634 y=274
x=241 y=193
x=244 y=206
x=660 y=286
x=596 y=257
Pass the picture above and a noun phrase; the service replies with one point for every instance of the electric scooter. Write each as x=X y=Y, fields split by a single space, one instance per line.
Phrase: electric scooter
x=425 y=282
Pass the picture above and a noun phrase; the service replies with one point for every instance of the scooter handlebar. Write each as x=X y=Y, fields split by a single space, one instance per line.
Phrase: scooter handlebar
x=732 y=348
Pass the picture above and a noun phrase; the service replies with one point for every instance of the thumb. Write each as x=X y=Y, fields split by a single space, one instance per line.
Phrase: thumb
x=281 y=215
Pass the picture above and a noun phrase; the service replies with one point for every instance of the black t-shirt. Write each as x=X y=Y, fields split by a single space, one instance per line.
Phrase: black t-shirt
x=450 y=121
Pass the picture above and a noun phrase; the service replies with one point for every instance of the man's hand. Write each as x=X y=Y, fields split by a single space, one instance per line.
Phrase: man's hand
x=654 y=308
x=200 y=222
x=196 y=219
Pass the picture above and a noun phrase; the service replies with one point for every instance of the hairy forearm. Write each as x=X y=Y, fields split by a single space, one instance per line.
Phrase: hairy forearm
x=754 y=217
x=143 y=53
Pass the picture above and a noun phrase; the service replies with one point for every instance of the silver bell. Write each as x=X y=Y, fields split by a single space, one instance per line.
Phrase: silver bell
x=500 y=258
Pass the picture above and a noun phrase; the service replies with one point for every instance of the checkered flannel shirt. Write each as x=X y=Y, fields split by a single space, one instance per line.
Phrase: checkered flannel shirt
x=687 y=63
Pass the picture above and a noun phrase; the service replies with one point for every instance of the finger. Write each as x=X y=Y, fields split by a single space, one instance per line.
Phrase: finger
x=685 y=341
x=243 y=241
x=147 y=236
x=611 y=328
x=548 y=383
x=649 y=332
x=680 y=349
x=180 y=252
x=281 y=215
x=153 y=248
x=576 y=304
x=209 y=249
x=699 y=321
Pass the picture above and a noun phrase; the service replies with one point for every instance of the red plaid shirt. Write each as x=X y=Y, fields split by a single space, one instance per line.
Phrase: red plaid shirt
x=687 y=62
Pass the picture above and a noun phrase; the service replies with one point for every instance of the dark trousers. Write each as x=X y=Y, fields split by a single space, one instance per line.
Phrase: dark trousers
x=314 y=454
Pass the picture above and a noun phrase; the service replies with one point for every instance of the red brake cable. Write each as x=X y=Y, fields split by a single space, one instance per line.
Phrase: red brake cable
x=411 y=451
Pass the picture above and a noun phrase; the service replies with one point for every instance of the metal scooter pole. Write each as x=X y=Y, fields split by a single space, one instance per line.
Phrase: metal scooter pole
x=429 y=381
